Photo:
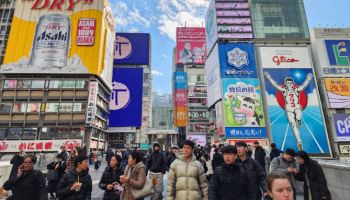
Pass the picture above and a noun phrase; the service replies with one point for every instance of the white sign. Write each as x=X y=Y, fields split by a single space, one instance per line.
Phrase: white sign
x=91 y=108
x=284 y=57
x=198 y=139
x=120 y=96
x=37 y=145
x=344 y=149
x=212 y=71
x=123 y=48
x=121 y=129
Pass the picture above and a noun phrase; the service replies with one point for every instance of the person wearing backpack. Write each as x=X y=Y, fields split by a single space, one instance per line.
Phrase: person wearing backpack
x=28 y=184
x=55 y=172
x=229 y=180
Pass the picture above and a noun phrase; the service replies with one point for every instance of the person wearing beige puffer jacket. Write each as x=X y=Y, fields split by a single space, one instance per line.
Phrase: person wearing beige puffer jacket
x=186 y=178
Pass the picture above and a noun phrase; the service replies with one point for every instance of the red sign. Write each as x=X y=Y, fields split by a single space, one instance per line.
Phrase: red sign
x=181 y=98
x=282 y=59
x=37 y=145
x=190 y=45
x=86 y=32
x=58 y=4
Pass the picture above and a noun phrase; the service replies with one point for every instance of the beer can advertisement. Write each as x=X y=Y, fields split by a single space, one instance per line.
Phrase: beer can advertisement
x=190 y=45
x=294 y=108
x=342 y=126
x=338 y=91
x=49 y=36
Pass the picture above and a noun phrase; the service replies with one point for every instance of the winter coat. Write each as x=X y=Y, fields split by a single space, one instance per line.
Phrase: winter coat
x=109 y=155
x=110 y=176
x=16 y=161
x=314 y=179
x=186 y=180
x=156 y=162
x=29 y=186
x=51 y=186
x=64 y=155
x=217 y=161
x=230 y=182
x=260 y=156
x=275 y=153
x=170 y=159
x=280 y=164
x=63 y=190
x=256 y=174
x=137 y=179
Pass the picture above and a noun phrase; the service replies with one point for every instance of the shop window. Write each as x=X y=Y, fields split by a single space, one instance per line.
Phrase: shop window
x=62 y=133
x=38 y=84
x=23 y=84
x=77 y=132
x=79 y=107
x=5 y=107
x=3 y=133
x=10 y=84
x=19 y=107
x=55 y=84
x=68 y=84
x=33 y=107
x=47 y=133
x=81 y=85
x=29 y=133
x=14 y=133
x=66 y=107
x=52 y=107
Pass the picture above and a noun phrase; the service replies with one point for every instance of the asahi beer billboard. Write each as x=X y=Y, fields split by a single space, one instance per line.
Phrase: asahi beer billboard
x=292 y=98
x=49 y=36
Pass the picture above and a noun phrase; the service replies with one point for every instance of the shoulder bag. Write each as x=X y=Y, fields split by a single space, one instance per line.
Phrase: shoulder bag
x=147 y=189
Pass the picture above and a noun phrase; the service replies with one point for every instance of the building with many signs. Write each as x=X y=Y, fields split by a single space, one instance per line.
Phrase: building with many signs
x=53 y=92
x=130 y=107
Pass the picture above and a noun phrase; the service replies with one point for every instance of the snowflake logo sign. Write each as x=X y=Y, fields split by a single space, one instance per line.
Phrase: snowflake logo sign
x=237 y=58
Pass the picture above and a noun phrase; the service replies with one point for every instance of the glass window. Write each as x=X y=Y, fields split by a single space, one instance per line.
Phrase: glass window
x=38 y=84
x=77 y=132
x=52 y=107
x=5 y=107
x=81 y=85
x=19 y=107
x=66 y=107
x=33 y=107
x=145 y=91
x=62 y=133
x=79 y=107
x=10 y=84
x=14 y=133
x=55 y=84
x=68 y=84
x=47 y=132
x=29 y=133
x=2 y=133
x=23 y=84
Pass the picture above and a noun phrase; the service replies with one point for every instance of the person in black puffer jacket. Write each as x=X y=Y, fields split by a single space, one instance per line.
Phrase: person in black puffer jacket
x=217 y=159
x=110 y=178
x=76 y=184
x=28 y=184
x=311 y=173
x=229 y=180
x=172 y=156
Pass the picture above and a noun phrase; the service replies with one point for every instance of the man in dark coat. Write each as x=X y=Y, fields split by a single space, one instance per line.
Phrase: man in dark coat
x=260 y=155
x=218 y=160
x=109 y=155
x=76 y=184
x=16 y=161
x=253 y=168
x=311 y=173
x=172 y=156
x=28 y=184
x=57 y=169
x=274 y=152
x=229 y=180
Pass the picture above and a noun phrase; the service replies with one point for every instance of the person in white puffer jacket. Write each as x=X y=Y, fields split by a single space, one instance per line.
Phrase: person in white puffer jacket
x=186 y=178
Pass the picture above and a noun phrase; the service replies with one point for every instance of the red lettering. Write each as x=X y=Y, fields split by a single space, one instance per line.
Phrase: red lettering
x=39 y=146
x=38 y=2
x=72 y=4
x=283 y=59
x=48 y=146
x=31 y=146
x=22 y=146
x=57 y=4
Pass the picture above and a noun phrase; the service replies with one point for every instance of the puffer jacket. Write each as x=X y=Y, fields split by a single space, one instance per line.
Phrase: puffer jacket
x=186 y=180
x=63 y=190
x=110 y=176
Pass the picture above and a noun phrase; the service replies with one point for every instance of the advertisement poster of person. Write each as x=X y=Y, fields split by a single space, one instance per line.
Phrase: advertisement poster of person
x=190 y=45
x=60 y=38
x=338 y=92
x=125 y=105
x=294 y=107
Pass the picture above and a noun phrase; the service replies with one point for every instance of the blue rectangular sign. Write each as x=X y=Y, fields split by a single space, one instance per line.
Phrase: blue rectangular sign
x=180 y=80
x=132 y=49
x=125 y=105
x=237 y=60
x=338 y=52
x=245 y=132
x=342 y=126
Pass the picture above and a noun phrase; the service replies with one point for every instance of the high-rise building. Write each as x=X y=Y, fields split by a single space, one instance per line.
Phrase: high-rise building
x=53 y=92
x=7 y=9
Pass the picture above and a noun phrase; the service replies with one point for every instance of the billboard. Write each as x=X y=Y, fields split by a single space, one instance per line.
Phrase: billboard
x=198 y=139
x=342 y=126
x=294 y=108
x=51 y=37
x=180 y=80
x=338 y=91
x=181 y=98
x=132 y=49
x=338 y=52
x=125 y=105
x=212 y=71
x=190 y=45
x=211 y=29
x=237 y=60
x=181 y=116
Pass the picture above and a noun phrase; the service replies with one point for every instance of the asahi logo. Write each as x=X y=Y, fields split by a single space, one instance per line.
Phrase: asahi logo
x=57 y=4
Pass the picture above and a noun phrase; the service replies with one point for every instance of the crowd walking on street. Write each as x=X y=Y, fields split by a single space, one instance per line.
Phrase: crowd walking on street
x=231 y=172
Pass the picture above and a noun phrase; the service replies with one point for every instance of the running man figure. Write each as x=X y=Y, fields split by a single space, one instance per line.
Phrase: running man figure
x=293 y=109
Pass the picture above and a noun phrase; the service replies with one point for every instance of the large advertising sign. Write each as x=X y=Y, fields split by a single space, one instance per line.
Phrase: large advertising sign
x=211 y=29
x=132 y=49
x=180 y=80
x=126 y=100
x=237 y=60
x=181 y=98
x=243 y=108
x=181 y=116
x=338 y=52
x=59 y=37
x=212 y=71
x=342 y=126
x=294 y=108
x=338 y=91
x=198 y=139
x=190 y=45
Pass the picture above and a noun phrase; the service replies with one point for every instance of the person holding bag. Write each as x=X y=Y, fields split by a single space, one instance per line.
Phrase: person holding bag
x=134 y=178
x=55 y=172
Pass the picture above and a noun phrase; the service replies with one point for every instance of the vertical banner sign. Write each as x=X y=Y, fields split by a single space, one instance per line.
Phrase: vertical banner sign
x=190 y=45
x=342 y=126
x=91 y=109
x=338 y=91
x=212 y=71
x=293 y=102
x=126 y=100
x=86 y=32
x=211 y=30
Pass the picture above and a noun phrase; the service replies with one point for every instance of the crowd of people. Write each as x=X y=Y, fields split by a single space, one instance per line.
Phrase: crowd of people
x=229 y=172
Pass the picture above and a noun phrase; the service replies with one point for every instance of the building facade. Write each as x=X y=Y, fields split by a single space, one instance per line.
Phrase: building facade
x=7 y=9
